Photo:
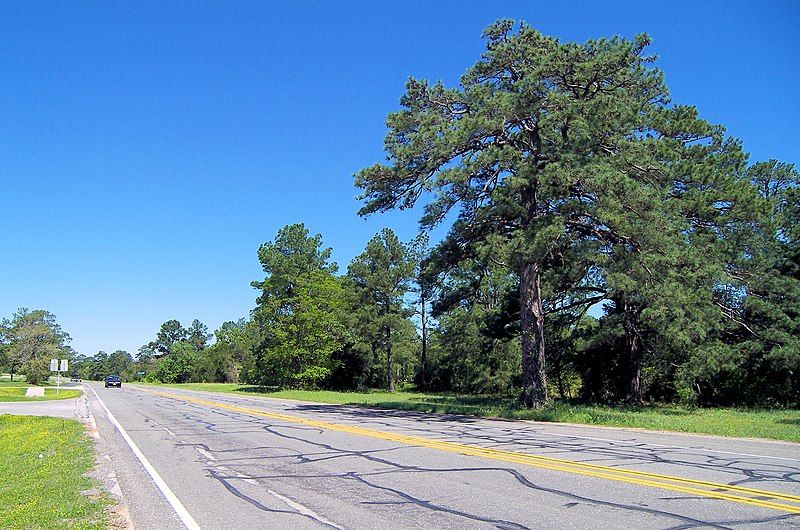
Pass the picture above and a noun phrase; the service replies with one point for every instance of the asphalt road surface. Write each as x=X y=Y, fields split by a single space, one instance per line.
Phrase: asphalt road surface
x=228 y=462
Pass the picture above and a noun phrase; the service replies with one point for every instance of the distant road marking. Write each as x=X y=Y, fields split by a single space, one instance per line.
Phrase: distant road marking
x=177 y=505
x=713 y=490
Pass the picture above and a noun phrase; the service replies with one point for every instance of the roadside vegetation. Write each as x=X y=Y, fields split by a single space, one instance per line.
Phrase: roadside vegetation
x=741 y=423
x=16 y=392
x=44 y=462
x=606 y=247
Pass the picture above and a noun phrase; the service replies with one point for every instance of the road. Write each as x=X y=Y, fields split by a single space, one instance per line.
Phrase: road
x=247 y=462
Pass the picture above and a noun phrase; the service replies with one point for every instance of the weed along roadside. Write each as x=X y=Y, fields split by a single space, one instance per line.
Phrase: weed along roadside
x=56 y=475
x=45 y=485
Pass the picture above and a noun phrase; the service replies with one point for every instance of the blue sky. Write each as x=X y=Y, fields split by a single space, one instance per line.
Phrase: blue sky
x=146 y=151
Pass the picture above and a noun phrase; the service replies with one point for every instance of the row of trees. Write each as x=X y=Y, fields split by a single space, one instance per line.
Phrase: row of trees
x=577 y=181
x=310 y=328
x=176 y=355
x=443 y=319
x=574 y=183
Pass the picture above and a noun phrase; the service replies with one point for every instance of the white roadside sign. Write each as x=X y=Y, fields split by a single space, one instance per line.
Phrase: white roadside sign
x=54 y=365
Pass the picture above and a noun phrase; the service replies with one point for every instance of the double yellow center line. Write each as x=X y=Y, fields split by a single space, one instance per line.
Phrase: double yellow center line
x=764 y=499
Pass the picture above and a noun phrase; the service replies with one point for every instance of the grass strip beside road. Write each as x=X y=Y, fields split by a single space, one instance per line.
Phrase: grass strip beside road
x=17 y=393
x=739 y=423
x=44 y=461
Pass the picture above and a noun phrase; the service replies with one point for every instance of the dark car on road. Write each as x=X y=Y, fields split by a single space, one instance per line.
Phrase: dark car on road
x=113 y=380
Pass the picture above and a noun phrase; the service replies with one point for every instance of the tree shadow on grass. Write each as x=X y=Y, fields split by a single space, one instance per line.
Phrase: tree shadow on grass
x=258 y=389
x=480 y=401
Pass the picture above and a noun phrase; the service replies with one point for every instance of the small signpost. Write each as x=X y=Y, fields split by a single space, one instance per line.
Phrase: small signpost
x=58 y=366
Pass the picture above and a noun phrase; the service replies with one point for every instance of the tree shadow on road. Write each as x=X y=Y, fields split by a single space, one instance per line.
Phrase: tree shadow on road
x=392 y=410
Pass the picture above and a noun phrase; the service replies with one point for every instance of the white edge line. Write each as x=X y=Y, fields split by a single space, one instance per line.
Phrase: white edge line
x=183 y=513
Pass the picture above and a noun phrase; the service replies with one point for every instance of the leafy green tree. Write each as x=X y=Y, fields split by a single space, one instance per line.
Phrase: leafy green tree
x=197 y=335
x=94 y=368
x=179 y=366
x=119 y=363
x=145 y=355
x=475 y=345
x=566 y=340
x=31 y=339
x=381 y=277
x=76 y=365
x=4 y=350
x=755 y=358
x=772 y=306
x=292 y=254
x=425 y=287
x=233 y=349
x=301 y=332
x=300 y=312
x=530 y=145
x=171 y=332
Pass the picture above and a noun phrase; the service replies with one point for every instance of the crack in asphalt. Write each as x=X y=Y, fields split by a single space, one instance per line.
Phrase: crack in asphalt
x=625 y=451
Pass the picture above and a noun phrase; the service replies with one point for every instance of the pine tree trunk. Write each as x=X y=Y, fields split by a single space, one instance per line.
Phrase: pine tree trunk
x=633 y=395
x=560 y=378
x=423 y=379
x=389 y=366
x=373 y=363
x=534 y=382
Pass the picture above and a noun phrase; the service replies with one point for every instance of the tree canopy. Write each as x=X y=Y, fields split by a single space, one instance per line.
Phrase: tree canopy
x=603 y=243
x=30 y=340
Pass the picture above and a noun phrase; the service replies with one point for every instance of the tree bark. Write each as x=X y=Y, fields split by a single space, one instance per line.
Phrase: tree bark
x=534 y=381
x=423 y=373
x=389 y=366
x=633 y=394
x=373 y=379
x=560 y=378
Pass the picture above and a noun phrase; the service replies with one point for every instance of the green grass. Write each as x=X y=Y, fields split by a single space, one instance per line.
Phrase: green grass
x=18 y=382
x=43 y=464
x=741 y=423
x=18 y=394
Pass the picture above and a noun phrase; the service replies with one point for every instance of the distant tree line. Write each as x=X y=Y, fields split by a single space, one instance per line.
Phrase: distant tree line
x=606 y=245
